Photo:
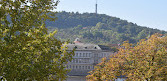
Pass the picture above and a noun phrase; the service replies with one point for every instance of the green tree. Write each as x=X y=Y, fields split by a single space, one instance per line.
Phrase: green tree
x=146 y=61
x=111 y=29
x=142 y=34
x=27 y=51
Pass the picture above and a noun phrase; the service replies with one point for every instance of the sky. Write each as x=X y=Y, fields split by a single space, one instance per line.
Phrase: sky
x=149 y=13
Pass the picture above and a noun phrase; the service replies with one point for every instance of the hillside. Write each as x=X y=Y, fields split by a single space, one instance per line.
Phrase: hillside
x=98 y=28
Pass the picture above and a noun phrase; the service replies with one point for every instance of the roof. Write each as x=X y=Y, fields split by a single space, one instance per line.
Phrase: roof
x=82 y=46
x=103 y=47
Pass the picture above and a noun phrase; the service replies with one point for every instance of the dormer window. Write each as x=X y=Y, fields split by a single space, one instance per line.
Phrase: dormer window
x=95 y=47
x=75 y=47
x=86 y=47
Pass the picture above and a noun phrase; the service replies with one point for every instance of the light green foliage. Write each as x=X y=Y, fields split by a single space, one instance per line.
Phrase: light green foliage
x=27 y=51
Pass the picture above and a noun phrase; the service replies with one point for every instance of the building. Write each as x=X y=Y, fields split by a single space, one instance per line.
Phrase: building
x=86 y=57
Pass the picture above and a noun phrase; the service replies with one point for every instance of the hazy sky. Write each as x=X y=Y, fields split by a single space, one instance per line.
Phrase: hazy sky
x=150 y=13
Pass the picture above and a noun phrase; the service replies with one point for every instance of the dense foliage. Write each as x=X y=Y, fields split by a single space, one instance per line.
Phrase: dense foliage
x=146 y=61
x=27 y=51
x=98 y=28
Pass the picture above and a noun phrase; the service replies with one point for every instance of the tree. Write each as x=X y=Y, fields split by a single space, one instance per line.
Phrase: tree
x=146 y=61
x=27 y=51
x=142 y=34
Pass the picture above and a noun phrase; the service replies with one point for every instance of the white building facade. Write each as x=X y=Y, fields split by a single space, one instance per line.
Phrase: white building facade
x=86 y=57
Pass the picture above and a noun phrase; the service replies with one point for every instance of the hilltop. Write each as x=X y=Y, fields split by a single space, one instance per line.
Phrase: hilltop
x=98 y=28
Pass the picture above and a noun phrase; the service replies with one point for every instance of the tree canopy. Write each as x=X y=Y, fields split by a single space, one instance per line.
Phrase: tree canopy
x=100 y=27
x=27 y=50
x=146 y=61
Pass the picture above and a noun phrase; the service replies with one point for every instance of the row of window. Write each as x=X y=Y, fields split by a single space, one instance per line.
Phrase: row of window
x=101 y=55
x=80 y=60
x=89 y=55
x=104 y=55
x=85 y=67
x=82 y=54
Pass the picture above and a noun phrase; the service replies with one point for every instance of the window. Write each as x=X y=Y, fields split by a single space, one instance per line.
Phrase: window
x=76 y=60
x=84 y=60
x=86 y=54
x=79 y=67
x=86 y=67
x=83 y=54
x=80 y=54
x=73 y=60
x=79 y=60
x=76 y=54
x=76 y=67
x=89 y=54
x=87 y=61
x=73 y=66
x=82 y=67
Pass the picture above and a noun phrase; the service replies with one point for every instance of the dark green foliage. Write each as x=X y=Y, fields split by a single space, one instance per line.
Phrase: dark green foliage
x=98 y=28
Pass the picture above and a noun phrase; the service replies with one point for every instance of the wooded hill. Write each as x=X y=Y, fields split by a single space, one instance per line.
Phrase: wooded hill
x=98 y=28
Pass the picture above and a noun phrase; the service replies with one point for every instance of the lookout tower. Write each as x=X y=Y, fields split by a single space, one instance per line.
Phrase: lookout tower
x=96 y=7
